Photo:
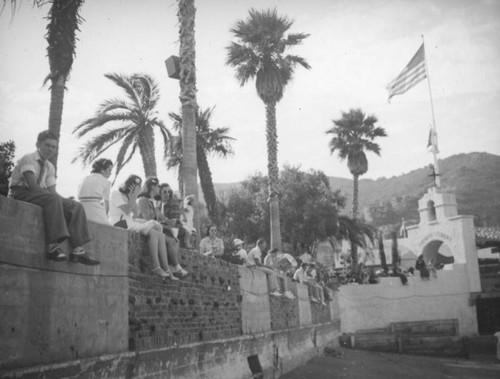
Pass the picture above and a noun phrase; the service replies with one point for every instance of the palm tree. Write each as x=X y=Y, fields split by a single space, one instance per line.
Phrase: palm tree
x=261 y=54
x=64 y=20
x=186 y=15
x=357 y=233
x=208 y=141
x=138 y=118
x=354 y=133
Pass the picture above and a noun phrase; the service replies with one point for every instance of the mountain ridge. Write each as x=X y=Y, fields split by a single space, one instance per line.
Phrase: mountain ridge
x=474 y=177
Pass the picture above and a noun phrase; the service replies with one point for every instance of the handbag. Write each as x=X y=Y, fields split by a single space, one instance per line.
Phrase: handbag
x=121 y=223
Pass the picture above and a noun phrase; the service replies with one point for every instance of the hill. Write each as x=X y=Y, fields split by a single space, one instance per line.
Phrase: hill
x=474 y=177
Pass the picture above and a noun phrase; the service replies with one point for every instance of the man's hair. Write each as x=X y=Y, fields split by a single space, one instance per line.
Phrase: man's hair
x=46 y=134
x=260 y=240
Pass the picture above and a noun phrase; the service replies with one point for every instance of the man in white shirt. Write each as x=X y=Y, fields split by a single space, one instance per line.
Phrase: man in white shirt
x=34 y=180
x=254 y=260
x=301 y=273
x=272 y=260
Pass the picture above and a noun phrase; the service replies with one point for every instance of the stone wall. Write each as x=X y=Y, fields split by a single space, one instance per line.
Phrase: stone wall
x=117 y=320
x=52 y=312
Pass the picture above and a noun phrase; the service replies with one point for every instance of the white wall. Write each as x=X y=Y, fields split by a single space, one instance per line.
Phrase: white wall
x=378 y=305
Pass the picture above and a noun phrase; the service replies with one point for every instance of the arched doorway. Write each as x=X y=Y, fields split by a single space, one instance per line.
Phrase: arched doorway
x=439 y=252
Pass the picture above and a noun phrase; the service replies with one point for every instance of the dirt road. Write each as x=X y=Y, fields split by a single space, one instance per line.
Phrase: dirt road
x=354 y=364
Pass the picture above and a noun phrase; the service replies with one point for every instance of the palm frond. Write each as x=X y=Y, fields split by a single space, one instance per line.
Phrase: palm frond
x=100 y=120
x=126 y=83
x=99 y=144
x=129 y=141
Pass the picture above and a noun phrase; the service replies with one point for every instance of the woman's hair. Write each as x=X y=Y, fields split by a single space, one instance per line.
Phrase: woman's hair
x=273 y=250
x=209 y=227
x=100 y=165
x=132 y=180
x=148 y=184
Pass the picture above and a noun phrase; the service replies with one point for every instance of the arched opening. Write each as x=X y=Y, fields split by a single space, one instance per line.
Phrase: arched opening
x=439 y=253
x=431 y=211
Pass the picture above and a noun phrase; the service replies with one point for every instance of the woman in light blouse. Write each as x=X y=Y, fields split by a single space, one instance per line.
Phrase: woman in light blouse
x=212 y=245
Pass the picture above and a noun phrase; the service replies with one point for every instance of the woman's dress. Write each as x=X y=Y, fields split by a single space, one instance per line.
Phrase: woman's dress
x=92 y=192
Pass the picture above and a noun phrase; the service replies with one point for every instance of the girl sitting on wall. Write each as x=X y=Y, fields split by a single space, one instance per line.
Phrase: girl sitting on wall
x=123 y=210
x=149 y=211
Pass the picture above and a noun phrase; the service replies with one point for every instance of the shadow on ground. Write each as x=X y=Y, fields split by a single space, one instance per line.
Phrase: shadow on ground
x=354 y=364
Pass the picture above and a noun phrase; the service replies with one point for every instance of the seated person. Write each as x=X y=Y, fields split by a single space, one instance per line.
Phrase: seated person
x=315 y=288
x=272 y=260
x=254 y=260
x=240 y=252
x=301 y=273
x=212 y=245
x=187 y=215
x=148 y=211
x=170 y=208
x=305 y=256
x=33 y=180
x=123 y=208
x=94 y=190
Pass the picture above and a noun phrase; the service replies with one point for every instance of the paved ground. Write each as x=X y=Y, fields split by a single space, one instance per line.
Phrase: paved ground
x=354 y=364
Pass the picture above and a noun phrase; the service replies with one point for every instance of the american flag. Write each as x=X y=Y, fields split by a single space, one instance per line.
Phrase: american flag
x=412 y=74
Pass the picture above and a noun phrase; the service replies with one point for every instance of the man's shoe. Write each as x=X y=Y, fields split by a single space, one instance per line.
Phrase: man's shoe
x=55 y=254
x=275 y=293
x=83 y=258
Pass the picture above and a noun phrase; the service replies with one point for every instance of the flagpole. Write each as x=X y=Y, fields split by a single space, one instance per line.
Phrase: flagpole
x=434 y=132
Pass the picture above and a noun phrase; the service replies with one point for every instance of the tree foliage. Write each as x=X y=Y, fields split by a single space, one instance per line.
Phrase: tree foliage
x=309 y=207
x=7 y=150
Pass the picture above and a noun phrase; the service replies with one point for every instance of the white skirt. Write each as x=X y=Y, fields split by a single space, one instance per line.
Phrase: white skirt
x=143 y=226
x=94 y=210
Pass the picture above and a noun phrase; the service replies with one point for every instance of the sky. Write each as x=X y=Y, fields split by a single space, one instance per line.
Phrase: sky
x=355 y=48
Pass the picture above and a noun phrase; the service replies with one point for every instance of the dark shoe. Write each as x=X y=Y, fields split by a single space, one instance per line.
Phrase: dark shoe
x=83 y=258
x=56 y=254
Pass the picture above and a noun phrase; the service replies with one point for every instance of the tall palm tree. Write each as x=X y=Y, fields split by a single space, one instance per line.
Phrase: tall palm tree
x=186 y=14
x=208 y=141
x=261 y=54
x=353 y=134
x=64 y=20
x=138 y=118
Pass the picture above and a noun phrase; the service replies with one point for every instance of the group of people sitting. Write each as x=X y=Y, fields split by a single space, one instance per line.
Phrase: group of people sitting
x=149 y=209
x=277 y=263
